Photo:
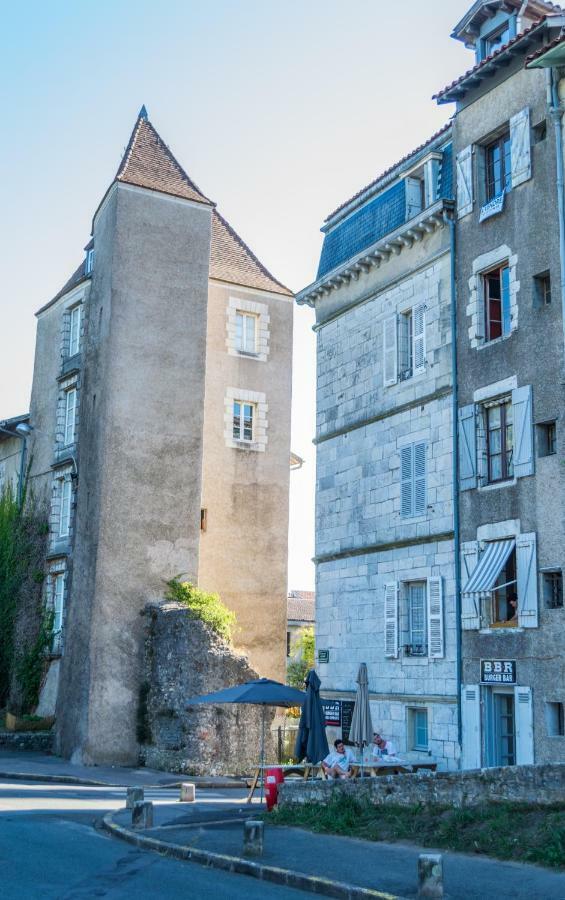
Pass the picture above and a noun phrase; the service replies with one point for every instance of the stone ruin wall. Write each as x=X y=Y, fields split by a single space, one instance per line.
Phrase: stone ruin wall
x=185 y=658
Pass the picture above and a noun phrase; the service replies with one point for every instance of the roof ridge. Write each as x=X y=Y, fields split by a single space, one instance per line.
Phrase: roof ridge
x=248 y=250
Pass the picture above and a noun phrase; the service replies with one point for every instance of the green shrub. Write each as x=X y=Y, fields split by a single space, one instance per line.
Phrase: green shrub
x=204 y=606
x=298 y=669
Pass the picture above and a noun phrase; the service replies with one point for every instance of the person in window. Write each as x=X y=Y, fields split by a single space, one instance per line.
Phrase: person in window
x=337 y=764
x=513 y=608
x=382 y=749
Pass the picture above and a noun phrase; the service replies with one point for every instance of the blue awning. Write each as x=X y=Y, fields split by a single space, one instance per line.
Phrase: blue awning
x=491 y=564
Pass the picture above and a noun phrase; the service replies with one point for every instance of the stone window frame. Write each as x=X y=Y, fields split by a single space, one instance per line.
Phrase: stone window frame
x=411 y=712
x=262 y=335
x=260 y=424
x=74 y=301
x=476 y=305
x=60 y=475
x=72 y=382
x=56 y=568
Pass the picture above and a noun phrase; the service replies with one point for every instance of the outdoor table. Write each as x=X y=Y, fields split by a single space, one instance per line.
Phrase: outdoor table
x=305 y=770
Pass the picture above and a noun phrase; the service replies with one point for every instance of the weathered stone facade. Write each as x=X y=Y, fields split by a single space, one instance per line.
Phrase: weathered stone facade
x=185 y=658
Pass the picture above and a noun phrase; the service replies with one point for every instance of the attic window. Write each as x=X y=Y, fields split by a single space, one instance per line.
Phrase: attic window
x=89 y=264
x=496 y=39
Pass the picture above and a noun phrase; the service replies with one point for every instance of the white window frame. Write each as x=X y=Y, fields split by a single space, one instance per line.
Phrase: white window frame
x=240 y=436
x=89 y=262
x=58 y=602
x=75 y=317
x=241 y=332
x=65 y=498
x=71 y=398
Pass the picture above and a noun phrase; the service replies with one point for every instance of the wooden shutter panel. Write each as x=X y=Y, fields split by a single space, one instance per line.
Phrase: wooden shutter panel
x=413 y=197
x=464 y=169
x=523 y=715
x=390 y=351
x=467 y=448
x=470 y=619
x=431 y=181
x=435 y=618
x=520 y=147
x=419 y=338
x=471 y=722
x=406 y=481
x=391 y=619
x=419 y=490
x=523 y=455
x=527 y=576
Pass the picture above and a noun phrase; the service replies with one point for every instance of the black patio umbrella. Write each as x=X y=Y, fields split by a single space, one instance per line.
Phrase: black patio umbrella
x=262 y=692
x=311 y=741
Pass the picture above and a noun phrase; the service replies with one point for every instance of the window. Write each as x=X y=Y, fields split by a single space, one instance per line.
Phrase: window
x=246 y=332
x=496 y=40
x=417 y=618
x=89 y=262
x=542 y=290
x=500 y=441
x=496 y=284
x=540 y=132
x=203 y=520
x=498 y=166
x=413 y=490
x=70 y=416
x=74 y=336
x=406 y=345
x=58 y=600
x=65 y=509
x=418 y=729
x=504 y=595
x=555 y=719
x=243 y=421
x=547 y=438
x=553 y=589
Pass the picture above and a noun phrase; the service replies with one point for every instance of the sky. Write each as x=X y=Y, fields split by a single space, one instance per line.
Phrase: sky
x=279 y=111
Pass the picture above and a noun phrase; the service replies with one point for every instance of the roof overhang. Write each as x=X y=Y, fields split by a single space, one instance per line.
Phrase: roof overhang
x=10 y=425
x=412 y=232
x=554 y=55
x=467 y=29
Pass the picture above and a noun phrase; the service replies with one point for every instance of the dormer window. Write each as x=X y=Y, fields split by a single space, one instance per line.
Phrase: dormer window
x=422 y=185
x=89 y=263
x=496 y=39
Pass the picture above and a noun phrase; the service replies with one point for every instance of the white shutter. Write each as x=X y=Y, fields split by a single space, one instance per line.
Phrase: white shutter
x=431 y=181
x=435 y=618
x=520 y=147
x=464 y=167
x=391 y=619
x=390 y=351
x=471 y=722
x=413 y=197
x=470 y=618
x=419 y=338
x=419 y=492
x=406 y=482
x=523 y=455
x=527 y=575
x=467 y=448
x=523 y=715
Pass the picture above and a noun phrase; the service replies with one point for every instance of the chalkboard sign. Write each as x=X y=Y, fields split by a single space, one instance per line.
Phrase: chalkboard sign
x=332 y=712
x=347 y=707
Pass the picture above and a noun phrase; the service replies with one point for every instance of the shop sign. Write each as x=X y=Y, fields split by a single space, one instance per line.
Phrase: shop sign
x=332 y=712
x=498 y=671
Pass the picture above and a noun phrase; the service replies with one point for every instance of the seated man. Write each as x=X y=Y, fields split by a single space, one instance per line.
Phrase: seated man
x=382 y=749
x=337 y=763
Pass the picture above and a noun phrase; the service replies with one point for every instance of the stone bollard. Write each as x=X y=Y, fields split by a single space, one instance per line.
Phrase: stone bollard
x=142 y=815
x=430 y=875
x=253 y=838
x=134 y=795
x=187 y=792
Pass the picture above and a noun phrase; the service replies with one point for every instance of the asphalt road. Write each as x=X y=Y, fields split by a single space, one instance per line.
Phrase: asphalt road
x=51 y=848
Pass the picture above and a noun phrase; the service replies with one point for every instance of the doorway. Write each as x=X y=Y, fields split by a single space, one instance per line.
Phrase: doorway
x=500 y=731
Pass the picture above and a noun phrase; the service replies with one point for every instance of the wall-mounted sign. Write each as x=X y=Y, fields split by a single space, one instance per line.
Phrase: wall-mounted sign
x=498 y=671
x=493 y=208
x=323 y=656
x=332 y=712
x=346 y=717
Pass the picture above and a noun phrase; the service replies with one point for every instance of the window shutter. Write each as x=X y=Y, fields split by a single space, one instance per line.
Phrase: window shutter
x=527 y=572
x=406 y=481
x=523 y=714
x=431 y=181
x=390 y=351
x=413 y=197
x=523 y=455
x=520 y=147
x=471 y=722
x=470 y=619
x=419 y=325
x=419 y=491
x=464 y=167
x=435 y=618
x=467 y=448
x=391 y=619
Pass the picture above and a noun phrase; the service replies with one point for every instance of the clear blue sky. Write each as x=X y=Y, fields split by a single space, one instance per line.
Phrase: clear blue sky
x=278 y=110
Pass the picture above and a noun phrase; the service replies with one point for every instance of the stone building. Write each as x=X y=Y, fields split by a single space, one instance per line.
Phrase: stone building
x=507 y=139
x=160 y=410
x=385 y=591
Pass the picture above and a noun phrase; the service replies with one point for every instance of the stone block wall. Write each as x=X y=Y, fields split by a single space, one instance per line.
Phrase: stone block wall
x=185 y=658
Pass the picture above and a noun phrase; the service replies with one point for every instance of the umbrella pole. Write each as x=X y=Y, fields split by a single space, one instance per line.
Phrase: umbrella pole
x=262 y=750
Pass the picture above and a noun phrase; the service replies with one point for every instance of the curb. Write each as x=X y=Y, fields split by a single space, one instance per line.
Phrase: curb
x=312 y=883
x=88 y=782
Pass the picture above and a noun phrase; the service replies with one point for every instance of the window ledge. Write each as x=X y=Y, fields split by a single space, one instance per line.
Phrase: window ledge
x=482 y=344
x=512 y=629
x=248 y=353
x=497 y=485
x=245 y=445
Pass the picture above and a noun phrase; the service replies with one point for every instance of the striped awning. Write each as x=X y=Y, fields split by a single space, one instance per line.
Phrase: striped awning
x=490 y=565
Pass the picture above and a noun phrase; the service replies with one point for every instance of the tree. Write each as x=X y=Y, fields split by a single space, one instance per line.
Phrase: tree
x=303 y=648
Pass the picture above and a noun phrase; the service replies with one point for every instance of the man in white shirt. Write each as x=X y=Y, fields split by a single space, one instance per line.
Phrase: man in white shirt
x=382 y=749
x=337 y=763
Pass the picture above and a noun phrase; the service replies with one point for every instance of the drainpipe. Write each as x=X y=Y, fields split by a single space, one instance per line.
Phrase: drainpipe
x=556 y=113
x=455 y=478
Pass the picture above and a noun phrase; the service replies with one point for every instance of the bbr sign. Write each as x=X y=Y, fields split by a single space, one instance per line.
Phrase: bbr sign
x=498 y=671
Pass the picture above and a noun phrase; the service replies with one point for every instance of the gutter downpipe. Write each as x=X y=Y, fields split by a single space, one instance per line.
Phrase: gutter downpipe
x=556 y=113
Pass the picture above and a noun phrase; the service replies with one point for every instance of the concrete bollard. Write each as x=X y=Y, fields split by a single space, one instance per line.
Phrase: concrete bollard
x=430 y=875
x=187 y=792
x=142 y=815
x=253 y=838
x=134 y=795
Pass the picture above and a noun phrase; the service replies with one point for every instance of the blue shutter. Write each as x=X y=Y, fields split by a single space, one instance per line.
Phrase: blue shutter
x=527 y=574
x=467 y=448
x=523 y=456
x=406 y=487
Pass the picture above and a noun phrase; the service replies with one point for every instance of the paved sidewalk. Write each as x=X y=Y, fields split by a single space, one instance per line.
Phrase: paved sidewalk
x=389 y=868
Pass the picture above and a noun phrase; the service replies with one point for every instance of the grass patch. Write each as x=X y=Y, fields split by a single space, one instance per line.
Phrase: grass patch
x=515 y=831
